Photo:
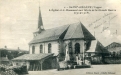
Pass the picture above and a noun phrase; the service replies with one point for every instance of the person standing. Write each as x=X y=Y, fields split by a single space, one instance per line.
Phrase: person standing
x=77 y=59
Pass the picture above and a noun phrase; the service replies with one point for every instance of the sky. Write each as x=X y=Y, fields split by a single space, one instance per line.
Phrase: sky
x=19 y=19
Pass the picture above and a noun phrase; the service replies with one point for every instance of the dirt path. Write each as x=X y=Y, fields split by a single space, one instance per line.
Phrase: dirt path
x=114 y=69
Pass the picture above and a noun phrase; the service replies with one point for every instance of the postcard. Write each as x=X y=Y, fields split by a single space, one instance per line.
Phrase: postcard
x=60 y=37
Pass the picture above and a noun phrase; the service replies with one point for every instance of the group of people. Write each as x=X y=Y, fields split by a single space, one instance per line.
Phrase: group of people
x=79 y=60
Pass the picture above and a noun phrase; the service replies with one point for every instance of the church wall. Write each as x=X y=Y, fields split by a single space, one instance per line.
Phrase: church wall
x=81 y=42
x=82 y=47
x=54 y=47
x=61 y=46
x=37 y=49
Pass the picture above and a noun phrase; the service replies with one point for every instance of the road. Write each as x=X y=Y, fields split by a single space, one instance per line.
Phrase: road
x=113 y=69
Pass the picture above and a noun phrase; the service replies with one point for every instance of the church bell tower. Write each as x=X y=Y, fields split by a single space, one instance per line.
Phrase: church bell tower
x=40 y=24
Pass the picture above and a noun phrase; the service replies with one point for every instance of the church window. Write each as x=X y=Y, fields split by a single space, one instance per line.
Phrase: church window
x=33 y=49
x=41 y=48
x=49 y=48
x=77 y=48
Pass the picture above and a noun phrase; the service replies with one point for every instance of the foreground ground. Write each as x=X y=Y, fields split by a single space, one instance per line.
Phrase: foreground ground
x=113 y=69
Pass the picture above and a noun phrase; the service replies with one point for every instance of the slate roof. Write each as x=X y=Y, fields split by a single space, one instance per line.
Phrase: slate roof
x=49 y=34
x=97 y=47
x=78 y=31
x=113 y=44
x=33 y=56
x=74 y=31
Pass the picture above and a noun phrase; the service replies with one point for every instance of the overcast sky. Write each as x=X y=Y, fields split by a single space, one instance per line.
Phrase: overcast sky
x=19 y=19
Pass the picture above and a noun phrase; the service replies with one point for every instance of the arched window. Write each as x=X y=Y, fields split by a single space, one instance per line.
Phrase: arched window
x=41 y=48
x=77 y=48
x=33 y=49
x=49 y=48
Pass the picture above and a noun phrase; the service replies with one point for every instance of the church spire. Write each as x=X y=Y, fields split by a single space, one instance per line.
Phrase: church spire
x=40 y=23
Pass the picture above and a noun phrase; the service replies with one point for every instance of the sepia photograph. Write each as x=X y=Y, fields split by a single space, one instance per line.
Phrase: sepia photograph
x=60 y=37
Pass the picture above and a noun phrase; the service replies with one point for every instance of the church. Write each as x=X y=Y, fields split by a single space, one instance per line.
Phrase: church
x=65 y=43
